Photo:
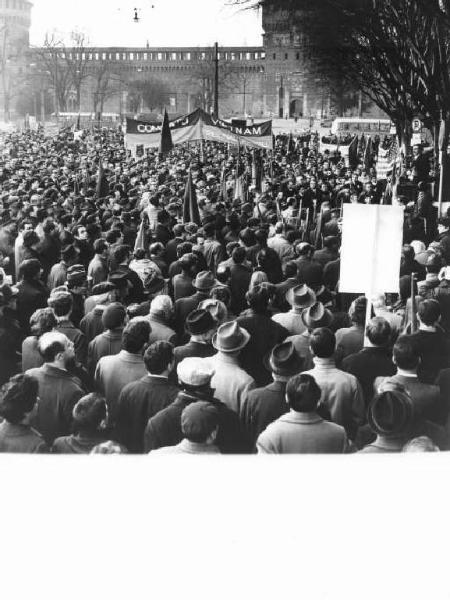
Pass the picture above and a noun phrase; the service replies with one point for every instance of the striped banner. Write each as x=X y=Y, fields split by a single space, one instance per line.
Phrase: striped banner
x=386 y=160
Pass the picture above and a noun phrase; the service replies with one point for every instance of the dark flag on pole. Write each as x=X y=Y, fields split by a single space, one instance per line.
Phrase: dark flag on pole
x=191 y=213
x=166 y=144
x=223 y=187
x=368 y=154
x=102 y=189
x=353 y=153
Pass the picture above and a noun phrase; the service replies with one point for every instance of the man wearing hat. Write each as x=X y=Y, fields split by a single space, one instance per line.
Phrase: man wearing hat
x=77 y=286
x=203 y=283
x=199 y=426
x=302 y=430
x=230 y=382
x=194 y=376
x=58 y=272
x=299 y=297
x=201 y=326
x=341 y=392
x=390 y=417
x=264 y=405
x=313 y=317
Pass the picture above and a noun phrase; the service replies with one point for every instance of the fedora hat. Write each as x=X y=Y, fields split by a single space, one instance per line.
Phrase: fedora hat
x=204 y=281
x=199 y=321
x=317 y=316
x=230 y=337
x=284 y=360
x=391 y=411
x=300 y=296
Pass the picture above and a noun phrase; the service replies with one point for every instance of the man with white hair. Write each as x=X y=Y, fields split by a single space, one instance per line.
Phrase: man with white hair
x=161 y=311
x=59 y=390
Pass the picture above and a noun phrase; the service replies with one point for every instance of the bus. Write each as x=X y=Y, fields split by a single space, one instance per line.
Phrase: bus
x=351 y=125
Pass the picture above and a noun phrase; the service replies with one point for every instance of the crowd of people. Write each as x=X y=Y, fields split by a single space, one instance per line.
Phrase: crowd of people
x=126 y=328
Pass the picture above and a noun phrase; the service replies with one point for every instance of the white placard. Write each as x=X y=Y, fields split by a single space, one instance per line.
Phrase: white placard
x=371 y=249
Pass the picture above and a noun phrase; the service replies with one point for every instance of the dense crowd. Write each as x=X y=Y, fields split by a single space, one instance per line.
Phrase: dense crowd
x=124 y=327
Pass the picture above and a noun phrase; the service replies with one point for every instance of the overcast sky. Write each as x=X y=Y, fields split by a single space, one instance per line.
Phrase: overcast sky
x=163 y=22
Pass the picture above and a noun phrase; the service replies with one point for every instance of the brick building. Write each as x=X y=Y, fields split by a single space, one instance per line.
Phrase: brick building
x=277 y=79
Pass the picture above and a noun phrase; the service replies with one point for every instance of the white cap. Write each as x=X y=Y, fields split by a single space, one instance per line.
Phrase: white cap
x=195 y=371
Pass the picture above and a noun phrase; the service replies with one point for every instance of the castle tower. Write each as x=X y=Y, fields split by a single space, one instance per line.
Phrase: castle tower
x=15 y=23
x=295 y=42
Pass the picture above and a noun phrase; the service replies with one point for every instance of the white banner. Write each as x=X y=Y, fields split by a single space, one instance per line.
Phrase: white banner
x=371 y=249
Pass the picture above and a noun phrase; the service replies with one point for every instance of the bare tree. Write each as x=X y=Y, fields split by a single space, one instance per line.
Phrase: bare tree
x=153 y=92
x=51 y=58
x=77 y=64
x=107 y=84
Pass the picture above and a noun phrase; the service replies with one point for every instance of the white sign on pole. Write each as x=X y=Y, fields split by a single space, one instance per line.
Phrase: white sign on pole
x=371 y=249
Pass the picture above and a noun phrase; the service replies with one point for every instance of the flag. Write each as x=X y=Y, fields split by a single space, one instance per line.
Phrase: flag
x=368 y=154
x=76 y=187
x=387 y=158
x=102 y=183
x=353 y=153
x=165 y=144
x=140 y=238
x=191 y=213
x=223 y=197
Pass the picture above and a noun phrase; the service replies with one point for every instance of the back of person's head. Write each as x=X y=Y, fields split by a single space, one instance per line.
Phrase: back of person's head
x=114 y=316
x=48 y=226
x=121 y=253
x=163 y=216
x=258 y=298
x=303 y=393
x=18 y=397
x=100 y=246
x=434 y=264
x=323 y=342
x=247 y=237
x=30 y=238
x=420 y=444
x=238 y=255
x=42 y=321
x=357 y=311
x=221 y=293
x=406 y=354
x=209 y=230
x=135 y=336
x=184 y=248
x=223 y=273
x=29 y=269
x=378 y=331
x=113 y=235
x=261 y=237
x=304 y=249
x=51 y=344
x=89 y=413
x=139 y=254
x=408 y=252
x=199 y=420
x=61 y=303
x=69 y=253
x=429 y=312
x=156 y=248
x=290 y=269
x=158 y=357
x=279 y=228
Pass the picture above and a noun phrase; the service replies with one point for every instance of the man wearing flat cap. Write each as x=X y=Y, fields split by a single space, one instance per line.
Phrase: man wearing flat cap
x=194 y=376
x=199 y=426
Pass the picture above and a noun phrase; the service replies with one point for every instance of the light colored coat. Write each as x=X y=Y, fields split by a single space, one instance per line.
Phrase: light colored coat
x=302 y=433
x=341 y=393
x=291 y=320
x=230 y=382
